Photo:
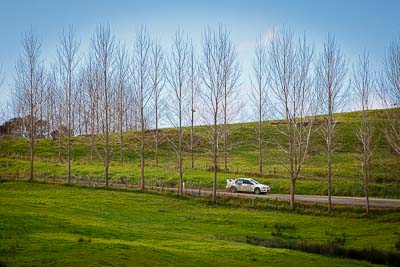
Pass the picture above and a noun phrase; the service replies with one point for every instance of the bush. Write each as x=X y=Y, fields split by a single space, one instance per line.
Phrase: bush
x=341 y=240
x=284 y=226
x=81 y=239
x=280 y=227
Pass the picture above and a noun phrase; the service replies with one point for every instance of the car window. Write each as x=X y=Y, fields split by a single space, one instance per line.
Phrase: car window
x=247 y=182
x=254 y=181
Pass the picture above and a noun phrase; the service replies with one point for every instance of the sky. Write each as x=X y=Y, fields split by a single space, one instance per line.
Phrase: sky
x=356 y=24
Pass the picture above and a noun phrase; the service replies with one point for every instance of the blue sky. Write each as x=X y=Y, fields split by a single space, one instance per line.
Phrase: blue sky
x=356 y=24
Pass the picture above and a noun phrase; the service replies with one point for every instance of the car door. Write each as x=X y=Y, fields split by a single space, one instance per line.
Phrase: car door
x=240 y=185
x=247 y=186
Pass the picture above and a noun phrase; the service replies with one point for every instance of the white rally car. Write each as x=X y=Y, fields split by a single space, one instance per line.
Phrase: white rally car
x=246 y=185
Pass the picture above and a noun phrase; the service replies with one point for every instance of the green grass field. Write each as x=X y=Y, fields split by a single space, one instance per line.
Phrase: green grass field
x=55 y=225
x=242 y=159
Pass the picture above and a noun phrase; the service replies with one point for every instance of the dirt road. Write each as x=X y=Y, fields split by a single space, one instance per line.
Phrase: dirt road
x=336 y=200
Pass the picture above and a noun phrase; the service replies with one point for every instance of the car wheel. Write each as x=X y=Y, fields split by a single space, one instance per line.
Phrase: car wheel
x=257 y=191
x=233 y=189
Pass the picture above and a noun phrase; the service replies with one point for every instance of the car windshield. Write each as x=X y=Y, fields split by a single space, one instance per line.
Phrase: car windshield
x=254 y=181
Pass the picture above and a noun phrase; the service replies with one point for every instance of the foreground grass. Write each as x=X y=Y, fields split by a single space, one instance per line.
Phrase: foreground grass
x=42 y=224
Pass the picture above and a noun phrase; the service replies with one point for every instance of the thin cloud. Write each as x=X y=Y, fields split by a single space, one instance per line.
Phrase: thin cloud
x=265 y=37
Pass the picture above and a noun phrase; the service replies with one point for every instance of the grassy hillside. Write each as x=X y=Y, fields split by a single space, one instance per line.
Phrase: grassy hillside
x=43 y=224
x=243 y=159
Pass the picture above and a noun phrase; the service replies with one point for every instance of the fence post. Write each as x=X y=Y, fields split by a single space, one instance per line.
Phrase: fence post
x=199 y=190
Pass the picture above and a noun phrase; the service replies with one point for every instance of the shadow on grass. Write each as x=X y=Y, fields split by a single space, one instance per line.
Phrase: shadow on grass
x=331 y=249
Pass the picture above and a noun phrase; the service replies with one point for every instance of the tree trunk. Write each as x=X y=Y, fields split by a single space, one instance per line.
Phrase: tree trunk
x=69 y=131
x=260 y=141
x=60 y=148
x=329 y=159
x=92 y=123
x=191 y=136
x=367 y=179
x=32 y=154
x=92 y=143
x=121 y=141
x=32 y=127
x=69 y=159
x=156 y=153
x=215 y=158
x=329 y=163
x=142 y=186
x=225 y=130
x=292 y=192
x=180 y=146
x=107 y=157
x=292 y=157
x=225 y=149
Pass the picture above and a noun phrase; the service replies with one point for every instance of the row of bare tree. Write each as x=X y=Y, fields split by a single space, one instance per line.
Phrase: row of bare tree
x=291 y=83
x=111 y=89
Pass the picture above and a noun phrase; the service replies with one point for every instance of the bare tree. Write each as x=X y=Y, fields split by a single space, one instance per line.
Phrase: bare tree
x=91 y=84
x=68 y=60
x=132 y=118
x=51 y=99
x=83 y=103
x=3 y=107
x=3 y=114
x=291 y=86
x=104 y=51
x=364 y=85
x=231 y=74
x=56 y=107
x=30 y=81
x=259 y=95
x=330 y=74
x=212 y=93
x=194 y=86
x=177 y=78
x=390 y=94
x=158 y=82
x=122 y=82
x=142 y=88
x=78 y=106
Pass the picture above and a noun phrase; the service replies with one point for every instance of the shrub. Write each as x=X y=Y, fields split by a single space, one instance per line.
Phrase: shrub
x=284 y=226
